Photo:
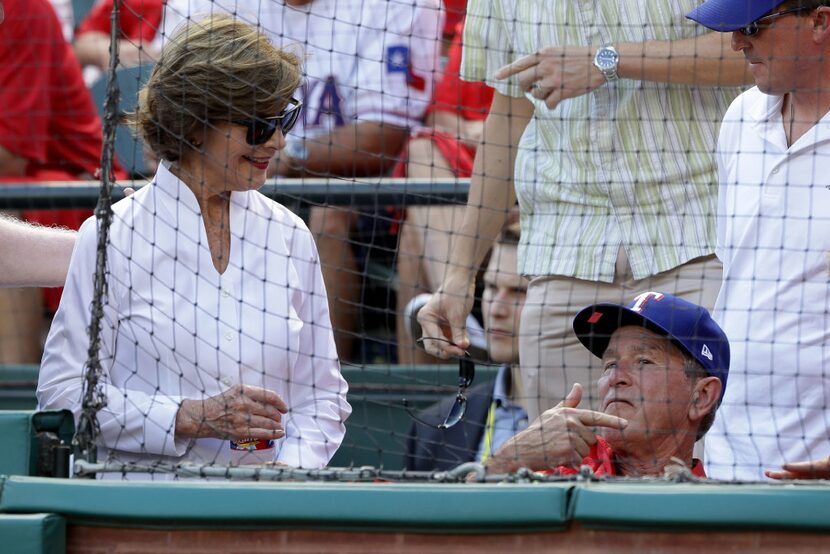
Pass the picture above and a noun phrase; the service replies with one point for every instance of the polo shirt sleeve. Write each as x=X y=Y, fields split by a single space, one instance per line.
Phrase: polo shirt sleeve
x=398 y=64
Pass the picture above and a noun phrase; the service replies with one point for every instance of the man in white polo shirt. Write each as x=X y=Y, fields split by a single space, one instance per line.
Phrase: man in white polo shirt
x=773 y=237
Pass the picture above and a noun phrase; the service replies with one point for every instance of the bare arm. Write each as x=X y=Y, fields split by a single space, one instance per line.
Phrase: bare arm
x=701 y=61
x=489 y=202
x=568 y=71
x=33 y=256
x=93 y=48
x=369 y=148
x=11 y=164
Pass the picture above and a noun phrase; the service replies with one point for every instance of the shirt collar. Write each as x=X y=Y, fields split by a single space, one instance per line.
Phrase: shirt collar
x=765 y=115
x=502 y=385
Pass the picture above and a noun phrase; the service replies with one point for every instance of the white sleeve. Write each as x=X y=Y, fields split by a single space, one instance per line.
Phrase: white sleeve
x=131 y=420
x=315 y=425
x=402 y=58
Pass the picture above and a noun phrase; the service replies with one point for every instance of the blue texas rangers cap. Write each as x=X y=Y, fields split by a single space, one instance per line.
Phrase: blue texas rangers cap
x=730 y=15
x=688 y=325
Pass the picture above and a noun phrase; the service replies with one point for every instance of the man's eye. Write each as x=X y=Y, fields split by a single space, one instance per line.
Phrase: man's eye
x=644 y=361
x=610 y=365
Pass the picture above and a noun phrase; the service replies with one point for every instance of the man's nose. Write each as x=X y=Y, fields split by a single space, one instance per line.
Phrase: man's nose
x=739 y=41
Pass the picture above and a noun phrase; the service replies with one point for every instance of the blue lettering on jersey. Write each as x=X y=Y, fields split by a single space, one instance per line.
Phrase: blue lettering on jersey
x=326 y=100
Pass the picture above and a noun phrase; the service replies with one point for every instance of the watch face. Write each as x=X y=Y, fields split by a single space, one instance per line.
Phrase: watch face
x=606 y=59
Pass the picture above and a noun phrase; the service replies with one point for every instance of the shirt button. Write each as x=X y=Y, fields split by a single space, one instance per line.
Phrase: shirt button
x=225 y=293
x=227 y=382
x=228 y=336
x=774 y=171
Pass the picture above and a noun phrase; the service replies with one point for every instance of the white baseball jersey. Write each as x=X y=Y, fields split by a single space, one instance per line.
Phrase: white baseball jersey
x=363 y=60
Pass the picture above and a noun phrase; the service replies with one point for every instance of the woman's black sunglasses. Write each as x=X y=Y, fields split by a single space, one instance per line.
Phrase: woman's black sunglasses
x=753 y=28
x=260 y=131
x=466 y=374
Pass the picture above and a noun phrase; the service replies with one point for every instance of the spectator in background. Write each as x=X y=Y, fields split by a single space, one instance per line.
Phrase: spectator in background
x=493 y=412
x=369 y=67
x=444 y=148
x=774 y=238
x=49 y=131
x=609 y=152
x=139 y=21
x=665 y=366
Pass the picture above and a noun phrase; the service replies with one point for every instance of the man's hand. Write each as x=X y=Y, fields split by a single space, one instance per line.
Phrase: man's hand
x=817 y=469
x=444 y=318
x=561 y=436
x=241 y=412
x=556 y=74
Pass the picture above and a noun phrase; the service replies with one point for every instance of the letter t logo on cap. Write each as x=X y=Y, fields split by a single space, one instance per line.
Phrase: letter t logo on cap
x=641 y=299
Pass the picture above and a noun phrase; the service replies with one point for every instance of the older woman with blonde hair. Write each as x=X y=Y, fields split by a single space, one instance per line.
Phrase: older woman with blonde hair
x=216 y=340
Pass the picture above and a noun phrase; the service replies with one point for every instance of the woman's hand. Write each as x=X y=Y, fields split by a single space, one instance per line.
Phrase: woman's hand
x=241 y=412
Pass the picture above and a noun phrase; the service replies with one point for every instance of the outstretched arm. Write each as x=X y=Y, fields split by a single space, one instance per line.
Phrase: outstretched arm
x=568 y=71
x=489 y=202
x=31 y=255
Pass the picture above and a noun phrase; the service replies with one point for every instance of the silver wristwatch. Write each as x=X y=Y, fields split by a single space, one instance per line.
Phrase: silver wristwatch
x=606 y=60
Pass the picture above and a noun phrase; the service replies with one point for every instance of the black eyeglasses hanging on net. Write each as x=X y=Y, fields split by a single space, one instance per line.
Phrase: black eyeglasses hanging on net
x=466 y=374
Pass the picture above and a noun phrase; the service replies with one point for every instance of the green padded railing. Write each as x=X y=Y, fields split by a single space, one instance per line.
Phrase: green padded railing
x=709 y=506
x=32 y=534
x=455 y=508
x=25 y=450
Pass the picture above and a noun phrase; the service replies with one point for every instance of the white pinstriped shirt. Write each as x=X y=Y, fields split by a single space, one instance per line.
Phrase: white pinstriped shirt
x=629 y=164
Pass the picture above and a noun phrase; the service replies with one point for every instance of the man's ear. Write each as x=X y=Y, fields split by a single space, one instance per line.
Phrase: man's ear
x=821 y=23
x=704 y=398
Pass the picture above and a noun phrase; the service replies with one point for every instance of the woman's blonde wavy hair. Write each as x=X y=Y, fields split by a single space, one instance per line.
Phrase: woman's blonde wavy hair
x=215 y=69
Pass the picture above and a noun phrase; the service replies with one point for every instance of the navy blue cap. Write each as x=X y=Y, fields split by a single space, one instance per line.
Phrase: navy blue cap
x=730 y=15
x=688 y=325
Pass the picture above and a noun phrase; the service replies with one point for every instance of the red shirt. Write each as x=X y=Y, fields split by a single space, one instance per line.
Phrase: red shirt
x=601 y=460
x=470 y=100
x=455 y=12
x=139 y=19
x=46 y=112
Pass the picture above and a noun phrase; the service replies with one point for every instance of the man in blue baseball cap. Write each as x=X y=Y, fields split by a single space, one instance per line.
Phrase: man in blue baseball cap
x=665 y=366
x=773 y=237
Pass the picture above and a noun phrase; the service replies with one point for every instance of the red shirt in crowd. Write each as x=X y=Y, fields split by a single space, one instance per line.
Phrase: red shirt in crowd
x=139 y=19
x=46 y=112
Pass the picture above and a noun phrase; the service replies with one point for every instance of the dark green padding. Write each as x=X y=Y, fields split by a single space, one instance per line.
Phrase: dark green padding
x=376 y=506
x=675 y=506
x=32 y=534
x=19 y=428
x=17 y=433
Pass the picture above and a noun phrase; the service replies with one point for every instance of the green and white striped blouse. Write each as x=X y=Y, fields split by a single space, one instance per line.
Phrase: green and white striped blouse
x=629 y=164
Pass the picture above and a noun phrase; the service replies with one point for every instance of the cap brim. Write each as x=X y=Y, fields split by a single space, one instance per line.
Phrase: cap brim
x=730 y=15
x=596 y=336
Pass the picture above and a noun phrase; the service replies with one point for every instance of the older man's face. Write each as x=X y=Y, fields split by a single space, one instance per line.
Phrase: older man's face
x=644 y=382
